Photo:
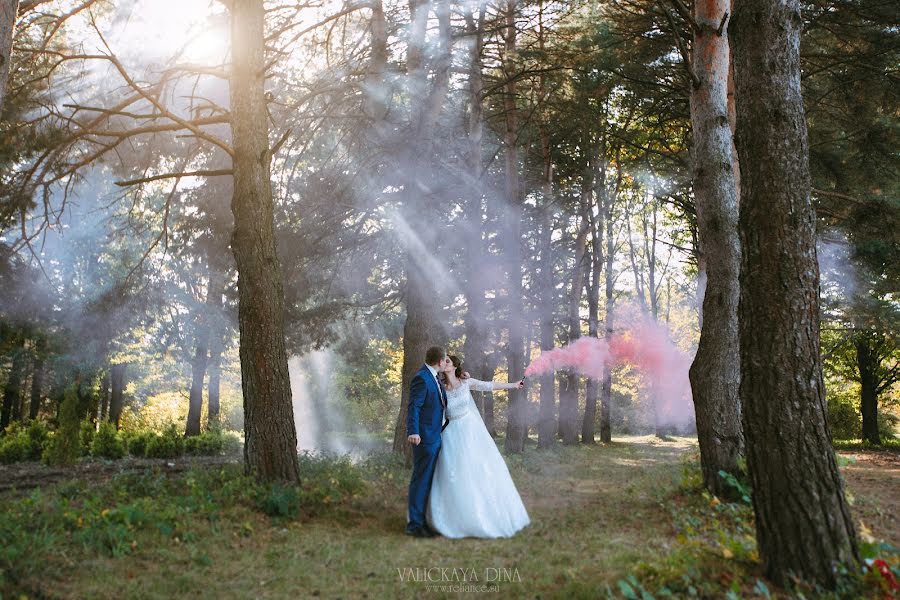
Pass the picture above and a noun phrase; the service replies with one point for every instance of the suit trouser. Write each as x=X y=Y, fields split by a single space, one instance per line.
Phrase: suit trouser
x=424 y=459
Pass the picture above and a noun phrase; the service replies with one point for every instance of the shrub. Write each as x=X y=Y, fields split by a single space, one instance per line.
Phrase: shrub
x=327 y=479
x=279 y=500
x=39 y=435
x=107 y=443
x=86 y=434
x=212 y=443
x=15 y=446
x=844 y=420
x=168 y=445
x=65 y=444
x=136 y=442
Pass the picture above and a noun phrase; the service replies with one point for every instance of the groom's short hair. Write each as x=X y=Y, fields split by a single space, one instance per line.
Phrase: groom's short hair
x=434 y=355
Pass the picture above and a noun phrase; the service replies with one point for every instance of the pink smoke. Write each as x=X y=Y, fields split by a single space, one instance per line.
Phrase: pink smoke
x=641 y=342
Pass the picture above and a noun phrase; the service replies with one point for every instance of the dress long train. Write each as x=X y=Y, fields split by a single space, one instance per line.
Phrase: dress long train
x=472 y=493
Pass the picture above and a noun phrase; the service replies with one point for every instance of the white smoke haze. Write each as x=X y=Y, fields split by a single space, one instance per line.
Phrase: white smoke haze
x=320 y=416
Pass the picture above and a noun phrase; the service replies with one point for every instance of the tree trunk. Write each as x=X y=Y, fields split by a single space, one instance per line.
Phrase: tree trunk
x=516 y=427
x=547 y=416
x=423 y=327
x=37 y=383
x=9 y=10
x=593 y=271
x=715 y=372
x=217 y=330
x=270 y=448
x=568 y=393
x=104 y=396
x=866 y=362
x=117 y=381
x=547 y=424
x=803 y=521
x=606 y=385
x=421 y=330
x=198 y=374
x=12 y=393
x=476 y=328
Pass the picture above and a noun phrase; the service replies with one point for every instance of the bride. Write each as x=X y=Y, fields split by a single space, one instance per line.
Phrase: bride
x=472 y=494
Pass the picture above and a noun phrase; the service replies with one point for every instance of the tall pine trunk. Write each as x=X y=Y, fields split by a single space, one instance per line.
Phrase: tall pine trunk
x=423 y=326
x=547 y=424
x=270 y=448
x=476 y=327
x=12 y=393
x=8 y=14
x=803 y=521
x=516 y=425
x=217 y=330
x=715 y=372
x=593 y=269
x=104 y=396
x=117 y=383
x=568 y=392
x=866 y=362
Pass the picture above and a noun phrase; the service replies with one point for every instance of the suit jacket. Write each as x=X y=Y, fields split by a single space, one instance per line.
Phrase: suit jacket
x=427 y=403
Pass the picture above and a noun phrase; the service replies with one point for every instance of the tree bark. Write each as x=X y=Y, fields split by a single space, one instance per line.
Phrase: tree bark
x=593 y=271
x=198 y=374
x=270 y=448
x=12 y=393
x=476 y=327
x=217 y=330
x=516 y=425
x=547 y=424
x=423 y=327
x=8 y=12
x=715 y=372
x=803 y=521
x=866 y=363
x=104 y=396
x=568 y=393
x=117 y=381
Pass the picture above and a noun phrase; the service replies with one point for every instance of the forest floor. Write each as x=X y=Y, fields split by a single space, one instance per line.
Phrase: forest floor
x=600 y=514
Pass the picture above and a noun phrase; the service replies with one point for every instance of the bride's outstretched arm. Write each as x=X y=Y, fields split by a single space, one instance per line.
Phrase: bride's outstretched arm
x=489 y=386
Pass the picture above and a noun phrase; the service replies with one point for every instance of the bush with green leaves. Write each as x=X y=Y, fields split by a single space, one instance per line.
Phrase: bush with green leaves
x=65 y=445
x=15 y=445
x=86 y=434
x=107 y=443
x=136 y=442
x=170 y=444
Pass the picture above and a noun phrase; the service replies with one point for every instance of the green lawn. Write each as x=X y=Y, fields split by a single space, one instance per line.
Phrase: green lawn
x=598 y=514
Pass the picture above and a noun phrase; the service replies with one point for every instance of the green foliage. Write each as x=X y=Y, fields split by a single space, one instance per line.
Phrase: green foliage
x=14 y=446
x=20 y=443
x=136 y=442
x=212 y=443
x=168 y=445
x=740 y=487
x=844 y=420
x=279 y=500
x=107 y=443
x=86 y=435
x=114 y=518
x=327 y=479
x=64 y=447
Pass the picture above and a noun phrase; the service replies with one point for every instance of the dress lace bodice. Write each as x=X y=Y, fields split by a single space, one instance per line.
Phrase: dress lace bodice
x=459 y=399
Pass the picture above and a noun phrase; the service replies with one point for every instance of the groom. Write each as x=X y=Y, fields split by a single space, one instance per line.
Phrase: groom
x=424 y=423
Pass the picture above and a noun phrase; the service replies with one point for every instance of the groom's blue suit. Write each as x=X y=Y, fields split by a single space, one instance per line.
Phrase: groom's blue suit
x=425 y=418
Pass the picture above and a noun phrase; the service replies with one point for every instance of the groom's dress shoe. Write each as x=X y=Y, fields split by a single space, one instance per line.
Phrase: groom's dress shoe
x=431 y=532
x=418 y=532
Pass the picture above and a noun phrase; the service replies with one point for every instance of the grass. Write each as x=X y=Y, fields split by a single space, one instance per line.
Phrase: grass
x=600 y=514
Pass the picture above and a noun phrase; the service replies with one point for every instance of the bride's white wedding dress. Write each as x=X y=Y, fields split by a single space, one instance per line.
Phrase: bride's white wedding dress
x=472 y=494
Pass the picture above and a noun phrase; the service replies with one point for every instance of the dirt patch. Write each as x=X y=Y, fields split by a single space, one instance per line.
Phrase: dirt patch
x=873 y=480
x=25 y=476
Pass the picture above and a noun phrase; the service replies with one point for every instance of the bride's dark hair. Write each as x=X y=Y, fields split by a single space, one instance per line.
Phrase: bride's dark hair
x=456 y=363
